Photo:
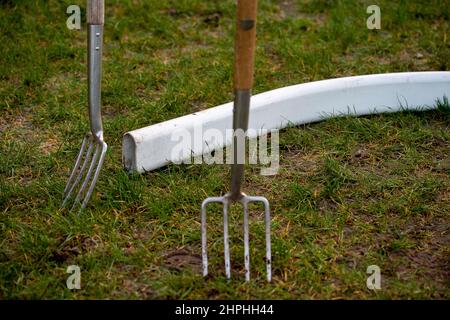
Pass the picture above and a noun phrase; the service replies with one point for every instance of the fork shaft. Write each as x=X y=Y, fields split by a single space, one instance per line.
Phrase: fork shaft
x=240 y=124
x=95 y=39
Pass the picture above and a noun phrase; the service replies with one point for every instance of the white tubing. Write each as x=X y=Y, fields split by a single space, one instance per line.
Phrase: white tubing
x=151 y=147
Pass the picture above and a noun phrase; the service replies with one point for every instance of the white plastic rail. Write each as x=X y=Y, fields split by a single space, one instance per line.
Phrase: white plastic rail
x=151 y=147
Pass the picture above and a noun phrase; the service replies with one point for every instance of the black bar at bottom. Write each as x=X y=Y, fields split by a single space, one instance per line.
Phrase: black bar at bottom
x=230 y=309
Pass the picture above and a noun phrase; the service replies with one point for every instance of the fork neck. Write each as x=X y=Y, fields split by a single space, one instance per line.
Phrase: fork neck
x=95 y=44
x=241 y=109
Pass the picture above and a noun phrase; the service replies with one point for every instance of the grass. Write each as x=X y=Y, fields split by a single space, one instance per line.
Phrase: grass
x=351 y=192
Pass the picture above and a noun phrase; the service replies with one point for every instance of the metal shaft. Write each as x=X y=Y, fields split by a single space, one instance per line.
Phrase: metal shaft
x=95 y=40
x=241 y=110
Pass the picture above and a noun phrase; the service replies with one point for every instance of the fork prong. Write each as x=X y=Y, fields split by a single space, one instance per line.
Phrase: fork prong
x=77 y=164
x=226 y=240
x=87 y=177
x=104 y=147
x=204 y=235
x=246 y=242
x=204 y=240
x=245 y=200
x=267 y=231
x=80 y=173
x=268 y=241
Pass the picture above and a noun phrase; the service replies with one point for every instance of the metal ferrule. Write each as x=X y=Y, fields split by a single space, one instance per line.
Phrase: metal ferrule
x=241 y=110
x=95 y=40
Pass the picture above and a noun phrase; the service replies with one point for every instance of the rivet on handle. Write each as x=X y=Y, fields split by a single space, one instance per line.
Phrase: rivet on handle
x=247 y=24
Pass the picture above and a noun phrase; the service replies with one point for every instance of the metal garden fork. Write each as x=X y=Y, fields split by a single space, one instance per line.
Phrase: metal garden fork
x=89 y=161
x=243 y=82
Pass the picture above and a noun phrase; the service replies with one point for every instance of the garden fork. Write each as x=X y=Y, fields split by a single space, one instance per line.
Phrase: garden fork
x=88 y=160
x=243 y=82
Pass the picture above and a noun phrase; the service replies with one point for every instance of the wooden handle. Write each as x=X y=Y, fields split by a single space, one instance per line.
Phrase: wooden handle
x=96 y=12
x=245 y=44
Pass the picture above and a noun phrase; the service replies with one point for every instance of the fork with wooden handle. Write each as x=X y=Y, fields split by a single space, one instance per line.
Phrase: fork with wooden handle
x=90 y=159
x=243 y=82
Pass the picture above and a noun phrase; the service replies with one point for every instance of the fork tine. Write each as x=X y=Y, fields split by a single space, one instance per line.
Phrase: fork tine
x=80 y=174
x=87 y=177
x=226 y=202
x=204 y=240
x=205 y=203
x=77 y=164
x=226 y=240
x=246 y=243
x=96 y=174
x=268 y=242
x=267 y=232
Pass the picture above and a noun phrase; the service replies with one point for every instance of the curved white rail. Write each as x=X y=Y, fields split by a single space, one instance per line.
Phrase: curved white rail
x=151 y=147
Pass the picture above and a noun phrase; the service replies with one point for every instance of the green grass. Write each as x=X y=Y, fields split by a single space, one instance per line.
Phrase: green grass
x=351 y=192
